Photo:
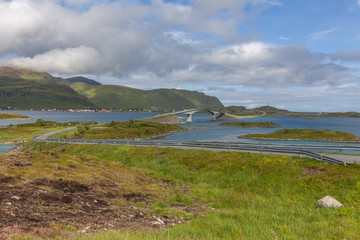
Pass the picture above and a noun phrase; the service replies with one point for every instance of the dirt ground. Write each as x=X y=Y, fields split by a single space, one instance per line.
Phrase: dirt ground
x=37 y=207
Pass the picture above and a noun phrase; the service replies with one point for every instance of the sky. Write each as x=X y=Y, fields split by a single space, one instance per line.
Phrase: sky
x=300 y=55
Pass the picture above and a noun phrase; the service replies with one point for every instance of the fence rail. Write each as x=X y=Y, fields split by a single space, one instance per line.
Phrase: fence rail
x=228 y=146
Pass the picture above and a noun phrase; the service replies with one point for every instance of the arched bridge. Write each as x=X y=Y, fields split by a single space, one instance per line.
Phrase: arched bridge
x=189 y=112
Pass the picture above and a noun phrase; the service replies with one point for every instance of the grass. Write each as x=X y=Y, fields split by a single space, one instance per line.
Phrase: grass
x=121 y=130
x=12 y=116
x=306 y=134
x=24 y=132
x=249 y=124
x=247 y=196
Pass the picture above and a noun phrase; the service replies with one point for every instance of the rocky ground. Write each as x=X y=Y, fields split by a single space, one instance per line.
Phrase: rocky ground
x=42 y=206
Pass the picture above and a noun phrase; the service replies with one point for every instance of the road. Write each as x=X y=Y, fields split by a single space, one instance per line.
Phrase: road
x=268 y=149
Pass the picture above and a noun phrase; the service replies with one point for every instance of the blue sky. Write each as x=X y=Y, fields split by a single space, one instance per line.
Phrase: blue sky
x=322 y=26
x=299 y=55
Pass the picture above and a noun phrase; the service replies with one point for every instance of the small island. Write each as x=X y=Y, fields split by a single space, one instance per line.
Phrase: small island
x=10 y=116
x=250 y=124
x=305 y=134
x=132 y=129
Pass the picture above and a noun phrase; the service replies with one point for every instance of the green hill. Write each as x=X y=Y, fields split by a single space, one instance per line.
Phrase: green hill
x=82 y=79
x=120 y=97
x=27 y=89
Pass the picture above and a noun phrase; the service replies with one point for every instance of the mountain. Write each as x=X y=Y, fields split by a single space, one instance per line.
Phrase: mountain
x=28 y=74
x=27 y=89
x=120 y=97
x=84 y=80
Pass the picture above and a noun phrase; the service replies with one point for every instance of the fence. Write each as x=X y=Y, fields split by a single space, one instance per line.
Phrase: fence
x=222 y=146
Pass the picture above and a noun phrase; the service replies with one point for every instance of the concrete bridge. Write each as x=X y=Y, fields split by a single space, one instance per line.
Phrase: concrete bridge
x=189 y=112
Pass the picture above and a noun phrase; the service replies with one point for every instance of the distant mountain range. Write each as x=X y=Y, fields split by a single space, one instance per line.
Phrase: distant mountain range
x=27 y=89
x=272 y=111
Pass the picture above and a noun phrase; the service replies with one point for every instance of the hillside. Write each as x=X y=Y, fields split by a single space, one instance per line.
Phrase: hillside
x=29 y=94
x=28 y=89
x=83 y=79
x=28 y=74
x=120 y=97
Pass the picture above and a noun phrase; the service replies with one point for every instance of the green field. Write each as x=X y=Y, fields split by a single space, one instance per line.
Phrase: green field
x=12 y=116
x=232 y=195
x=121 y=130
x=306 y=134
x=249 y=124
x=199 y=194
x=24 y=132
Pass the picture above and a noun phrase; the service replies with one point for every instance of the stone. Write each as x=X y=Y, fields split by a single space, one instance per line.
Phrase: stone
x=328 y=202
x=155 y=223
x=16 y=198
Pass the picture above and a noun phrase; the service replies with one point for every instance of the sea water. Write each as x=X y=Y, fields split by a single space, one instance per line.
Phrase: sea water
x=5 y=147
x=202 y=128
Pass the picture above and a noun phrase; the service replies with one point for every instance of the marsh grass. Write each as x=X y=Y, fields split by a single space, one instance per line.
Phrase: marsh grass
x=12 y=116
x=24 y=132
x=306 y=134
x=247 y=196
x=131 y=129
x=250 y=124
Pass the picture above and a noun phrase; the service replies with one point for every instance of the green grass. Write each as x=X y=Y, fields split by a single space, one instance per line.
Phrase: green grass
x=306 y=134
x=121 y=130
x=24 y=132
x=249 y=124
x=246 y=196
x=12 y=116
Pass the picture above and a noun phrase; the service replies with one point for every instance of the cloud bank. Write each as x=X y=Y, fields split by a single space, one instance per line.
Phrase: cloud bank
x=163 y=44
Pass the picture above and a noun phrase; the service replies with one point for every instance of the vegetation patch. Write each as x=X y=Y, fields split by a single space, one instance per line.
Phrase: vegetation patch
x=306 y=134
x=122 y=130
x=47 y=194
x=212 y=195
x=12 y=116
x=23 y=132
x=250 y=124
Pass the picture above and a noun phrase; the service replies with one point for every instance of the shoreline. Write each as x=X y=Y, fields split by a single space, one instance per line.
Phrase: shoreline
x=12 y=149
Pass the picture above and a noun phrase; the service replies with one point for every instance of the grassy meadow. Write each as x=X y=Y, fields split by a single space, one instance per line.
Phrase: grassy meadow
x=132 y=129
x=24 y=132
x=12 y=116
x=249 y=124
x=306 y=134
x=219 y=195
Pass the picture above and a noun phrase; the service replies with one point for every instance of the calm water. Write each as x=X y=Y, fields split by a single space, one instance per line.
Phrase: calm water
x=4 y=148
x=206 y=130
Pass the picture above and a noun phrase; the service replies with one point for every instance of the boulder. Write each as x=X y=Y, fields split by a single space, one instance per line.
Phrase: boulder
x=328 y=202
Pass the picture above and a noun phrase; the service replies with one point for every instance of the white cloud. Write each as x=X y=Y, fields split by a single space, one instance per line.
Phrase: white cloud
x=161 y=45
x=347 y=56
x=65 y=61
x=284 y=38
x=321 y=34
